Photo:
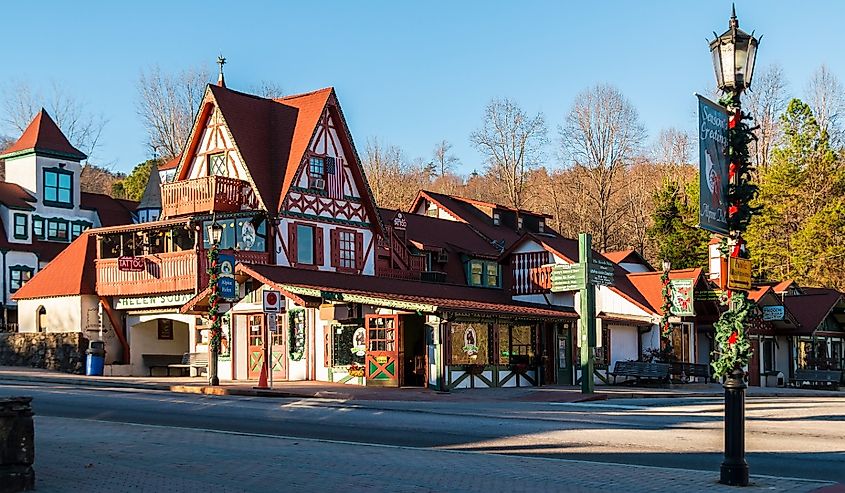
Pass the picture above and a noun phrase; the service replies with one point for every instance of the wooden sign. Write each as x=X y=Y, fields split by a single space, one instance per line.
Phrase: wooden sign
x=131 y=264
x=739 y=274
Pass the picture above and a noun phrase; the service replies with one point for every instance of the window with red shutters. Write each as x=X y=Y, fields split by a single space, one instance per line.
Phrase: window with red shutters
x=318 y=246
x=347 y=249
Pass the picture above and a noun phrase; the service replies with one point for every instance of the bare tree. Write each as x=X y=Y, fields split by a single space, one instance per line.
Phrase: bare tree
x=824 y=95
x=268 y=89
x=765 y=102
x=22 y=101
x=443 y=159
x=600 y=136
x=394 y=182
x=512 y=143
x=672 y=150
x=168 y=104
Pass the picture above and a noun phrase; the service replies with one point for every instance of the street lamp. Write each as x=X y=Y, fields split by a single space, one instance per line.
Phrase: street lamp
x=734 y=54
x=215 y=233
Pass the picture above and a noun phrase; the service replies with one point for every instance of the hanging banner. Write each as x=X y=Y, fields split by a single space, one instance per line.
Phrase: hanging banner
x=682 y=297
x=713 y=166
x=226 y=281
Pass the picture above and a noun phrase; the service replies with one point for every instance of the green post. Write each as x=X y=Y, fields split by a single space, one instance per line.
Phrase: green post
x=588 y=315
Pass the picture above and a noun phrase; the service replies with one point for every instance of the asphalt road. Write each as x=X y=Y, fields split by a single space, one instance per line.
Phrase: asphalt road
x=786 y=437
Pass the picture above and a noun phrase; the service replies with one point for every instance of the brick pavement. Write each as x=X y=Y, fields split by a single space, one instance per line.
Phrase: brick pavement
x=80 y=455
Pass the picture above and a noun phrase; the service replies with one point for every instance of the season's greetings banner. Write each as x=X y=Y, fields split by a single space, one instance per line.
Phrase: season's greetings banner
x=713 y=166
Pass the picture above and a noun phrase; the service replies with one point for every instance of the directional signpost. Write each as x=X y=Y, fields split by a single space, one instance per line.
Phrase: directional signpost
x=584 y=276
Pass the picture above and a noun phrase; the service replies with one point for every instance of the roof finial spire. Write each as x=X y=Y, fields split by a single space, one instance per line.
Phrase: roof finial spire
x=220 y=80
x=734 y=20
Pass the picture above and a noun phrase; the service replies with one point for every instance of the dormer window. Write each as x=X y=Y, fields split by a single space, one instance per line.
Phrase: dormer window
x=519 y=222
x=497 y=219
x=483 y=273
x=58 y=187
x=541 y=227
x=21 y=227
x=217 y=165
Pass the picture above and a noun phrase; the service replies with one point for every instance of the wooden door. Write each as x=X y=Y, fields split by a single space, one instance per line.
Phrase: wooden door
x=278 y=359
x=255 y=346
x=754 y=363
x=383 y=343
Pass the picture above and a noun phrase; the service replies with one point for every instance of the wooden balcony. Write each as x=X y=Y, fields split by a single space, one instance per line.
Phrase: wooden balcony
x=201 y=196
x=163 y=273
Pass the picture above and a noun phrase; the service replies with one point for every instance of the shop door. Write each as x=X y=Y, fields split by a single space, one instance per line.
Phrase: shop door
x=255 y=346
x=754 y=363
x=563 y=361
x=278 y=360
x=382 y=359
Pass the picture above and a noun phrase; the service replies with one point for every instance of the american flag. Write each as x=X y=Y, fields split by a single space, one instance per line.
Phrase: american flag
x=334 y=177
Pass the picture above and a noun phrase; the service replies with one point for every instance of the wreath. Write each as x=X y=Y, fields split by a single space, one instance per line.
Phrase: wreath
x=296 y=334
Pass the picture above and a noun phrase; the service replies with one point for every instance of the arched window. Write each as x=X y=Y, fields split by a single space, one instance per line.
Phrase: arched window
x=41 y=319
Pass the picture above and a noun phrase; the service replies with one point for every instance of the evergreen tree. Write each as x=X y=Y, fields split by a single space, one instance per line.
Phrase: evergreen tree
x=676 y=238
x=132 y=187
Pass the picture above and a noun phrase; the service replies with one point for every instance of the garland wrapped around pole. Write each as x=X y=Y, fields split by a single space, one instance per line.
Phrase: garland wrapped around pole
x=213 y=314
x=665 y=326
x=733 y=349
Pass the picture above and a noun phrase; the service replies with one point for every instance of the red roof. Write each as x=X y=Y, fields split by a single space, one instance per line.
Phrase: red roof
x=627 y=256
x=811 y=309
x=465 y=210
x=70 y=273
x=445 y=296
x=15 y=196
x=43 y=134
x=651 y=287
x=172 y=164
x=112 y=211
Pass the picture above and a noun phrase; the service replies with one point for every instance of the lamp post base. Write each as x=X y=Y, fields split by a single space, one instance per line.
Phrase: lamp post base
x=734 y=469
x=213 y=379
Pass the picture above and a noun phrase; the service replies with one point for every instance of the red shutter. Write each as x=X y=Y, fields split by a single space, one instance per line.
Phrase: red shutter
x=359 y=251
x=327 y=346
x=292 y=243
x=318 y=245
x=335 y=247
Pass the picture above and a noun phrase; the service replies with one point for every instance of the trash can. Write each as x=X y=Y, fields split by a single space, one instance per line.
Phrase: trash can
x=95 y=357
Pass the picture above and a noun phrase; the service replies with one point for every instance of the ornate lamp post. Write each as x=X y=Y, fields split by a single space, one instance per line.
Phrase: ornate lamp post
x=215 y=232
x=734 y=54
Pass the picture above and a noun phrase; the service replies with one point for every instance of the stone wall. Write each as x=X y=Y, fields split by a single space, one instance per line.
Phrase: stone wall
x=53 y=351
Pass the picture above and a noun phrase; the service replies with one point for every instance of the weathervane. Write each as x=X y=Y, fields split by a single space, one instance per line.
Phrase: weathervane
x=221 y=61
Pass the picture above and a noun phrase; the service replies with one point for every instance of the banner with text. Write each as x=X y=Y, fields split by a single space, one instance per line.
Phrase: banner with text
x=713 y=166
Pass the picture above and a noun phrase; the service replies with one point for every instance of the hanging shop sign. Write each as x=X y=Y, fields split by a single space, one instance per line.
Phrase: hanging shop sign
x=226 y=286
x=162 y=300
x=682 y=297
x=739 y=274
x=600 y=272
x=713 y=166
x=773 y=313
x=131 y=264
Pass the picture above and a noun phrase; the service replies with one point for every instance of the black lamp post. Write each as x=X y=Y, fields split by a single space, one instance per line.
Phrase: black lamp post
x=734 y=54
x=215 y=232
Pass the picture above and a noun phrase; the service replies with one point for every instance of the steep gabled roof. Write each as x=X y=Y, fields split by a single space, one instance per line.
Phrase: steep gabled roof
x=15 y=196
x=151 y=199
x=651 y=287
x=627 y=256
x=43 y=136
x=465 y=210
x=70 y=273
x=431 y=233
x=811 y=309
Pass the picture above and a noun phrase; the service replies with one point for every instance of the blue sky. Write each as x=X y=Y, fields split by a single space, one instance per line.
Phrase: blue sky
x=409 y=73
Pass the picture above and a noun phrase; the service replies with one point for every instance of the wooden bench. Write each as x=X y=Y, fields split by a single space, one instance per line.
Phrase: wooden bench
x=164 y=361
x=640 y=370
x=685 y=371
x=817 y=378
x=199 y=361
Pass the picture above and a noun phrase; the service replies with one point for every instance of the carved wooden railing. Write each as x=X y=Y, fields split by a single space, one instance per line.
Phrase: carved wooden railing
x=201 y=195
x=163 y=273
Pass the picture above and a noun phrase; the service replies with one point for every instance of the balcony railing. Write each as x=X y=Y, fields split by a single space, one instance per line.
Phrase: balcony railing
x=163 y=273
x=202 y=195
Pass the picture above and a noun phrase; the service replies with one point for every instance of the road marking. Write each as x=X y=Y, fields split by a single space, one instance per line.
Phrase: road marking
x=433 y=449
x=600 y=406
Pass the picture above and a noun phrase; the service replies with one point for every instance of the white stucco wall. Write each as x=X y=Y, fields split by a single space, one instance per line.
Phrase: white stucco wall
x=64 y=314
x=12 y=258
x=142 y=336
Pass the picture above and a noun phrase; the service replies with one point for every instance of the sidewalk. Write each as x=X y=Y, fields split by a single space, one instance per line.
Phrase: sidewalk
x=326 y=390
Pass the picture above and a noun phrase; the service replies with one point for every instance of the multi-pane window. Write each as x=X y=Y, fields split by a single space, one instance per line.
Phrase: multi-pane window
x=346 y=243
x=316 y=167
x=217 y=165
x=76 y=230
x=21 y=226
x=58 y=187
x=38 y=227
x=483 y=273
x=18 y=275
x=304 y=244
x=57 y=230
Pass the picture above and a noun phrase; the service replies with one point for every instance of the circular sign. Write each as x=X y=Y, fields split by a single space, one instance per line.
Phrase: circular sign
x=272 y=299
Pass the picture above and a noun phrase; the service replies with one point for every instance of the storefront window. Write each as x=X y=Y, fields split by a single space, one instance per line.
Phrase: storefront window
x=469 y=344
x=516 y=344
x=349 y=344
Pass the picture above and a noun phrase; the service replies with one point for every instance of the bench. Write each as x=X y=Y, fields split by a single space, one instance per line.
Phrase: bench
x=686 y=371
x=640 y=370
x=816 y=378
x=164 y=361
x=199 y=361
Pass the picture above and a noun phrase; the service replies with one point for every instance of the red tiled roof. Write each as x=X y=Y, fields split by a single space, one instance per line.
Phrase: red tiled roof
x=811 y=309
x=43 y=134
x=437 y=196
x=446 y=296
x=171 y=164
x=783 y=286
x=15 y=196
x=758 y=292
x=651 y=287
x=112 y=211
x=627 y=256
x=432 y=233
x=70 y=273
x=466 y=211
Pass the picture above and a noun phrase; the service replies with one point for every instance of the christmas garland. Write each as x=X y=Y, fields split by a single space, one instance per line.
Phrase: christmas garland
x=733 y=349
x=214 y=299
x=296 y=336
x=665 y=326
